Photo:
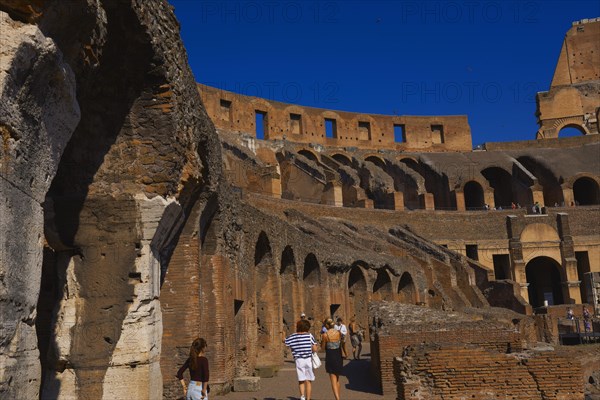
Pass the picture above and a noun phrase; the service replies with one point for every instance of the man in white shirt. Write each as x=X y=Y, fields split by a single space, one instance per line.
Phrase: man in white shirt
x=339 y=326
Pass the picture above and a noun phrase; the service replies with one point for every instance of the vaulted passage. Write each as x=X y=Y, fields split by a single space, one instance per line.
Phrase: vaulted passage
x=473 y=196
x=382 y=288
x=287 y=273
x=544 y=278
x=500 y=181
x=266 y=306
x=359 y=298
x=312 y=277
x=586 y=191
x=406 y=289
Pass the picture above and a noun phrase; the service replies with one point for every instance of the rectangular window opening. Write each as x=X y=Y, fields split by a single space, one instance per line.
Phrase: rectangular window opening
x=583 y=266
x=225 y=110
x=261 y=124
x=472 y=252
x=437 y=134
x=237 y=306
x=364 y=130
x=399 y=133
x=501 y=266
x=330 y=128
x=296 y=124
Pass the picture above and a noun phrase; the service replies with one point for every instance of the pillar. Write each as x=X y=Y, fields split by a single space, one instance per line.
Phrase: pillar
x=427 y=201
x=460 y=201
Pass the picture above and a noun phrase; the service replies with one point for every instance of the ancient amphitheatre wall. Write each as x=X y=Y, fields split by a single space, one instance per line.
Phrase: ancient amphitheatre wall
x=235 y=112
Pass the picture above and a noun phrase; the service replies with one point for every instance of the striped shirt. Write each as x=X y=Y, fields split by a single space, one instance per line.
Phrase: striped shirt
x=301 y=344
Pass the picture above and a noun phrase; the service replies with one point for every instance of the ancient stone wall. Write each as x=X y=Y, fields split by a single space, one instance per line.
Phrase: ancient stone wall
x=235 y=112
x=574 y=96
x=459 y=372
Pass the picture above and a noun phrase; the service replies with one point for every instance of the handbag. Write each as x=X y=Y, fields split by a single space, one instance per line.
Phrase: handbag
x=316 y=361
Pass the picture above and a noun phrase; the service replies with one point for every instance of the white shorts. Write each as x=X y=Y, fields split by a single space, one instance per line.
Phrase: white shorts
x=304 y=369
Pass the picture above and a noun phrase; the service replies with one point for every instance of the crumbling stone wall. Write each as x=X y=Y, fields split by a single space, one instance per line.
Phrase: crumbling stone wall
x=236 y=112
x=574 y=96
x=460 y=372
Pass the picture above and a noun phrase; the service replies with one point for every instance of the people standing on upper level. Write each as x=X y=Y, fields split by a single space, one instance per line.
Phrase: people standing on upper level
x=587 y=319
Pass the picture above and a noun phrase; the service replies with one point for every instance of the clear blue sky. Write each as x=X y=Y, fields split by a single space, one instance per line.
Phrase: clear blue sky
x=485 y=59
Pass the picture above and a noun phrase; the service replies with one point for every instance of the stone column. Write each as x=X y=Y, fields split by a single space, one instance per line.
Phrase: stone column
x=460 y=201
x=398 y=200
x=568 y=195
x=427 y=201
x=571 y=283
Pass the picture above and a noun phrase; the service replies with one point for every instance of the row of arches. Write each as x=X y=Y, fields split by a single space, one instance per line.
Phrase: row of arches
x=283 y=292
x=493 y=184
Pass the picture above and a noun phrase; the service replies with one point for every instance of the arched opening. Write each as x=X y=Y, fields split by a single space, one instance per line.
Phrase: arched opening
x=406 y=289
x=266 y=307
x=586 y=191
x=311 y=277
x=544 y=278
x=382 y=288
x=550 y=183
x=474 y=199
x=342 y=159
x=358 y=296
x=309 y=154
x=571 y=130
x=501 y=181
x=377 y=161
x=287 y=274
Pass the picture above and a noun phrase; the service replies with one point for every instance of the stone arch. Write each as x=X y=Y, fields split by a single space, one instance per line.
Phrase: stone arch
x=551 y=186
x=586 y=191
x=342 y=158
x=311 y=277
x=288 y=279
x=382 y=287
x=474 y=198
x=566 y=130
x=358 y=294
x=267 y=321
x=544 y=276
x=311 y=155
x=407 y=292
x=501 y=181
x=379 y=161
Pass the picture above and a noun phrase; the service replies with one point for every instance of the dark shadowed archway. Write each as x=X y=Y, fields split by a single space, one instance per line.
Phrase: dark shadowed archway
x=287 y=274
x=544 y=278
x=406 y=289
x=358 y=296
x=382 y=288
x=501 y=181
x=311 y=277
x=586 y=191
x=474 y=199
x=267 y=320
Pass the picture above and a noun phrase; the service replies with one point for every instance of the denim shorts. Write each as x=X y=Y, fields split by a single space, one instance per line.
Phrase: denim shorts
x=194 y=391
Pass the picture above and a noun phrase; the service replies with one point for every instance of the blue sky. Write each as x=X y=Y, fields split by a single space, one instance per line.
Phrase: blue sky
x=485 y=59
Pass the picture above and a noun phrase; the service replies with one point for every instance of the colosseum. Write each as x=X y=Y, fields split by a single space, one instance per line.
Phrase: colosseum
x=141 y=210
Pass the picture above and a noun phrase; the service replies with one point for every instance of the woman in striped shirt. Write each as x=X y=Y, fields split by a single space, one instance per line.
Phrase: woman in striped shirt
x=303 y=344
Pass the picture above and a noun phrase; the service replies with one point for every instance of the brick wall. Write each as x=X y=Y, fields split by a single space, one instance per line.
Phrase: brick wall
x=461 y=372
x=386 y=347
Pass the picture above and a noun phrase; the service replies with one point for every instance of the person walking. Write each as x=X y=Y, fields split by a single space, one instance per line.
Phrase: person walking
x=332 y=344
x=197 y=363
x=355 y=338
x=303 y=344
x=344 y=331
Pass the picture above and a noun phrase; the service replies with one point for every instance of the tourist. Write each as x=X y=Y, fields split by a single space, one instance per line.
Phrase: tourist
x=587 y=319
x=513 y=205
x=302 y=316
x=570 y=314
x=355 y=338
x=197 y=363
x=344 y=331
x=332 y=344
x=303 y=344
